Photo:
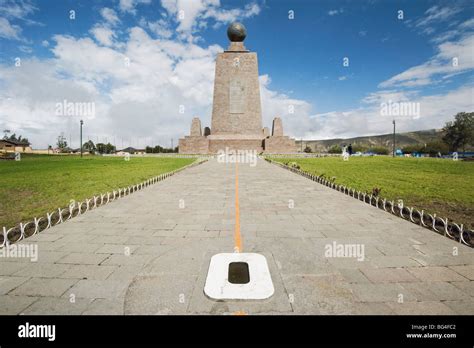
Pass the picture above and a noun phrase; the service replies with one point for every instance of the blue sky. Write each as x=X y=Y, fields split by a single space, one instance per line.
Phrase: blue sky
x=300 y=63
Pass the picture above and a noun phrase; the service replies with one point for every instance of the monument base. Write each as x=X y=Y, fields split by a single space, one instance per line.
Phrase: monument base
x=279 y=144
x=194 y=145
x=216 y=145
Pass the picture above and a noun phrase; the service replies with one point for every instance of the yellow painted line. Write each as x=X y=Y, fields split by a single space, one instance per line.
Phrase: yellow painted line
x=240 y=313
x=237 y=236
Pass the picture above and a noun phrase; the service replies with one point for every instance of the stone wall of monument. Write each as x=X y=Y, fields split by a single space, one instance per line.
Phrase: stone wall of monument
x=194 y=145
x=244 y=115
x=280 y=144
x=235 y=144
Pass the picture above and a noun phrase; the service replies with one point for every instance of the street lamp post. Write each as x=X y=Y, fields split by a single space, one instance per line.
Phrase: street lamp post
x=393 y=155
x=82 y=122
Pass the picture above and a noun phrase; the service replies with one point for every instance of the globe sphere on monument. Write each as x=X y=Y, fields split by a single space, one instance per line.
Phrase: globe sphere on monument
x=236 y=32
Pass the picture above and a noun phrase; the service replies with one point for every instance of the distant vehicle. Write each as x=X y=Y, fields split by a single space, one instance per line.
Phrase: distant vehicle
x=357 y=154
x=368 y=154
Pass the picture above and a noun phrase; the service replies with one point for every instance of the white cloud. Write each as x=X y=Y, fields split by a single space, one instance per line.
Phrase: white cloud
x=227 y=16
x=469 y=24
x=335 y=12
x=25 y=49
x=435 y=110
x=191 y=15
x=428 y=30
x=18 y=9
x=14 y=10
x=386 y=95
x=110 y=16
x=436 y=14
x=294 y=112
x=129 y=5
x=160 y=28
x=439 y=65
x=8 y=30
x=103 y=35
x=448 y=35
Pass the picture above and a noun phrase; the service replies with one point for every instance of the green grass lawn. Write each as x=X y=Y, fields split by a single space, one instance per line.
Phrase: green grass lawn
x=440 y=186
x=39 y=183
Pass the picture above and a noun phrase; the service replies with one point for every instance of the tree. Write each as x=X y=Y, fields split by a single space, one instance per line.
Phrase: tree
x=62 y=143
x=157 y=149
x=100 y=148
x=109 y=148
x=13 y=137
x=89 y=146
x=460 y=132
x=160 y=149
x=307 y=149
x=105 y=148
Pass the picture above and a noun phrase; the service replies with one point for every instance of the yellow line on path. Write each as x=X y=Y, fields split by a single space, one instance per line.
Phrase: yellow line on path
x=237 y=236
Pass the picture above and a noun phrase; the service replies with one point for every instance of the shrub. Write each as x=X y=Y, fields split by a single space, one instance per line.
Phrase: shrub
x=413 y=148
x=434 y=147
x=335 y=149
x=294 y=165
x=358 y=148
x=379 y=150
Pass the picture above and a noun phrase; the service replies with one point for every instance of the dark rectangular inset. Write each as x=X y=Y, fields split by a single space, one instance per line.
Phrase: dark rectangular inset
x=239 y=273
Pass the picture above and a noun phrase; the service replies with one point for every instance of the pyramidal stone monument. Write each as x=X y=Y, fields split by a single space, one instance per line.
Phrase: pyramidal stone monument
x=236 y=111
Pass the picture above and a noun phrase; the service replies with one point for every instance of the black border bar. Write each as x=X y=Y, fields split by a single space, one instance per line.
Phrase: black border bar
x=229 y=330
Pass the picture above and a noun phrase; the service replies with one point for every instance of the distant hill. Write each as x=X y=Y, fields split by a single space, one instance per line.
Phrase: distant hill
x=385 y=140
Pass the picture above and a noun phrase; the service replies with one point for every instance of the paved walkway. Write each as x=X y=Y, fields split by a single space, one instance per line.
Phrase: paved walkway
x=149 y=254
